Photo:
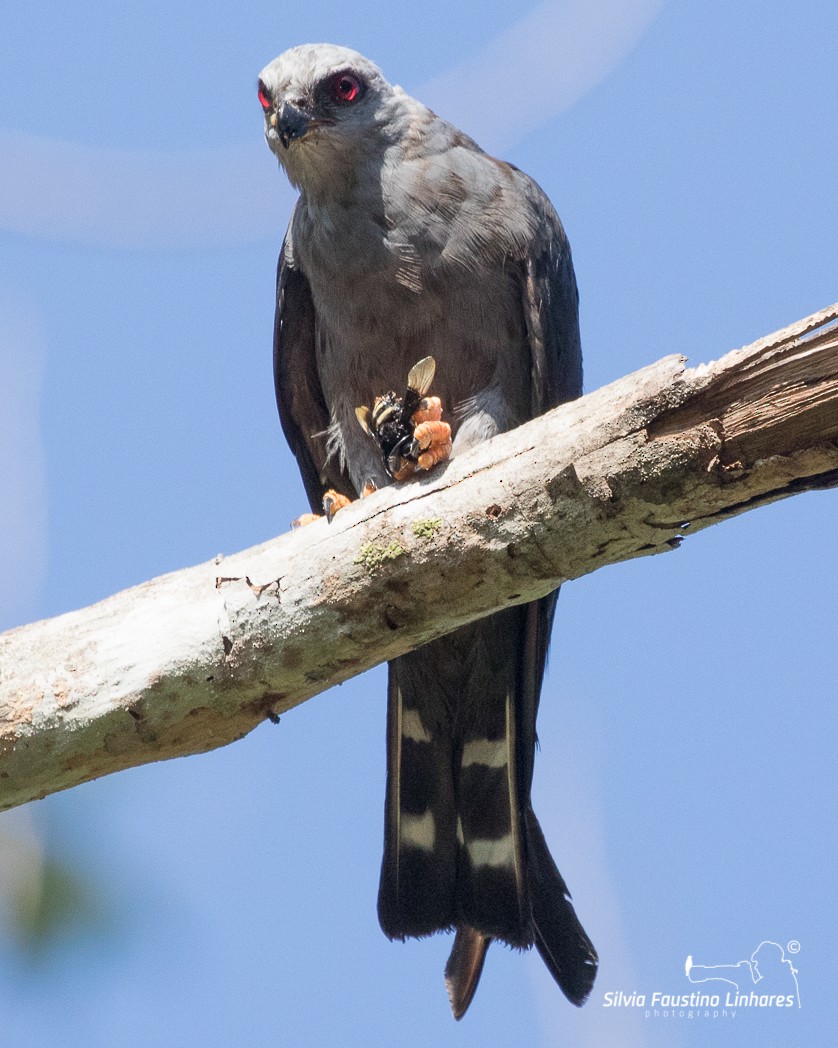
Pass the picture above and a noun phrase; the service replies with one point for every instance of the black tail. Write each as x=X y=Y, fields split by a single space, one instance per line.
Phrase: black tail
x=416 y=892
x=559 y=937
x=561 y=940
x=465 y=964
x=462 y=846
x=453 y=842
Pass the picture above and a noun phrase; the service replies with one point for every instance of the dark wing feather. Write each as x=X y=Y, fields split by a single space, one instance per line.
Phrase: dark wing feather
x=549 y=300
x=299 y=395
x=551 y=312
x=559 y=936
x=550 y=303
x=551 y=307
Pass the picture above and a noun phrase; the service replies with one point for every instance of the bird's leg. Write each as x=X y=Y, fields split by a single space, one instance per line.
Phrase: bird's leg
x=431 y=436
x=332 y=502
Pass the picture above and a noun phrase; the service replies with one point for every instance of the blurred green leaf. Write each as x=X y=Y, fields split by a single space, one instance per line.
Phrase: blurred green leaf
x=48 y=900
x=58 y=903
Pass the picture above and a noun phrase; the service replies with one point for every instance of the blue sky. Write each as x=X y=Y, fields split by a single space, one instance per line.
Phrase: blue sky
x=686 y=779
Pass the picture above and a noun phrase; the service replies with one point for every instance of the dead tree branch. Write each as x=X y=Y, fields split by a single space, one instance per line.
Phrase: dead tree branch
x=196 y=659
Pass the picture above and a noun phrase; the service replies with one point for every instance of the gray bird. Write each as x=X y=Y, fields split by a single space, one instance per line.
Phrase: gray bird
x=408 y=240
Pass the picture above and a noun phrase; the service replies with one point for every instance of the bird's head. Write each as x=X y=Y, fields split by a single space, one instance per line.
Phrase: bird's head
x=324 y=106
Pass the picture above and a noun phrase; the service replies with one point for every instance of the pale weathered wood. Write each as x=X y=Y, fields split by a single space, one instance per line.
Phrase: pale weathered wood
x=196 y=659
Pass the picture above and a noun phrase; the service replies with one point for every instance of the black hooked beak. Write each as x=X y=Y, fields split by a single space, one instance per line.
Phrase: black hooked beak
x=291 y=123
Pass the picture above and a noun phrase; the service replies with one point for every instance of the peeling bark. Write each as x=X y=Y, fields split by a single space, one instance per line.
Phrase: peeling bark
x=197 y=658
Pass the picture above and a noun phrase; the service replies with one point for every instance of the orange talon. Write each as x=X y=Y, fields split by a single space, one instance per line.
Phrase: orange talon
x=306 y=518
x=332 y=502
x=433 y=440
x=428 y=434
x=428 y=459
x=429 y=410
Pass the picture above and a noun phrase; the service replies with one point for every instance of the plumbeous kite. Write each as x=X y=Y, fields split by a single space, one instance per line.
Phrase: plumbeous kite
x=407 y=241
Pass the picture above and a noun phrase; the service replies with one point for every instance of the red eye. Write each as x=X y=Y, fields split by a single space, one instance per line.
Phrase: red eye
x=345 y=87
x=264 y=96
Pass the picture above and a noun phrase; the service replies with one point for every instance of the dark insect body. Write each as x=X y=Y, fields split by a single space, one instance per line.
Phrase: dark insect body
x=390 y=422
